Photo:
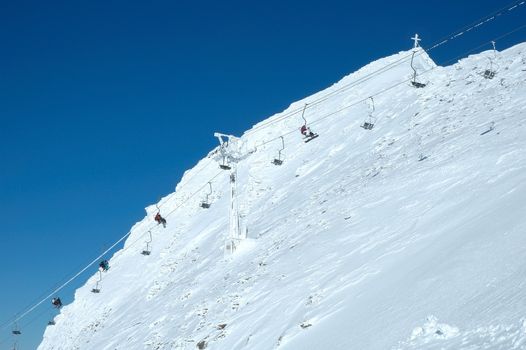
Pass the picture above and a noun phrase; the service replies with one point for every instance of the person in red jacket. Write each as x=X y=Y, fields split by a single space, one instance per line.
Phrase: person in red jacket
x=305 y=131
x=160 y=219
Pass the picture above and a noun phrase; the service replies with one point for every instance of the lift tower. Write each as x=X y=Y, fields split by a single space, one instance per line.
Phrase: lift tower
x=231 y=154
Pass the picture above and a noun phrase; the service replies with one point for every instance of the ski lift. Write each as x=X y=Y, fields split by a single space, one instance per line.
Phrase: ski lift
x=279 y=161
x=415 y=83
x=489 y=74
x=224 y=164
x=56 y=302
x=96 y=290
x=16 y=329
x=206 y=204
x=104 y=266
x=158 y=217
x=147 y=251
x=368 y=124
x=305 y=130
x=228 y=149
x=490 y=71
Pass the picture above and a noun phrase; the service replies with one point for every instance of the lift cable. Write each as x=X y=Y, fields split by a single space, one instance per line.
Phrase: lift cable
x=446 y=39
x=513 y=5
x=328 y=115
x=90 y=264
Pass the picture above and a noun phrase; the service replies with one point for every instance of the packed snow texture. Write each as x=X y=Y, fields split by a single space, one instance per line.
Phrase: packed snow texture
x=407 y=236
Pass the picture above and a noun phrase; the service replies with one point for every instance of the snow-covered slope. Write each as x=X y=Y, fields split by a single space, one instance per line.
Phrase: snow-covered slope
x=407 y=236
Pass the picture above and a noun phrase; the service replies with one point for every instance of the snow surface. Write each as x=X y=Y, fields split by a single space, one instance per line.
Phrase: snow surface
x=408 y=236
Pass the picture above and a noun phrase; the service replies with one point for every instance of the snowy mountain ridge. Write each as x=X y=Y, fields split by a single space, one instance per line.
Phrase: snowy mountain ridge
x=406 y=236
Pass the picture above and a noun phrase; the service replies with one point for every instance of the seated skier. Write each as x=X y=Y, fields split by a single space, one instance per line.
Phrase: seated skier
x=104 y=265
x=305 y=131
x=160 y=219
x=56 y=302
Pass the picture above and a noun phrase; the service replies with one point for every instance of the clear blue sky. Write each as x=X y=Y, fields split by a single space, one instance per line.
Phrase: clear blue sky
x=104 y=104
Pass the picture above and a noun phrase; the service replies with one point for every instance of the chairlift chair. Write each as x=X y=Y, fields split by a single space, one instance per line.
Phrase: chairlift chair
x=415 y=83
x=16 y=329
x=147 y=251
x=418 y=85
x=368 y=124
x=224 y=150
x=224 y=165
x=104 y=266
x=490 y=72
x=279 y=161
x=96 y=290
x=159 y=218
x=206 y=204
x=311 y=135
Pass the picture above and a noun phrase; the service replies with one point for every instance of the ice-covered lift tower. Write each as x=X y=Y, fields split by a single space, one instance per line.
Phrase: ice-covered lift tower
x=230 y=151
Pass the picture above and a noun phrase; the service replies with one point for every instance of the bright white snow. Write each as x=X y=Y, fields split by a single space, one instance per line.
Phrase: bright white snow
x=408 y=236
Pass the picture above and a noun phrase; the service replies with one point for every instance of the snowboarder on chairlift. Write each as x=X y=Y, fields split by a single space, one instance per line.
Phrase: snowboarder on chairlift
x=56 y=302
x=305 y=131
x=104 y=265
x=160 y=219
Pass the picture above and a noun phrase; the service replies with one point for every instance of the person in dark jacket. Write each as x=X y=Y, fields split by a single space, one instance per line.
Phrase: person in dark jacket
x=56 y=302
x=104 y=265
